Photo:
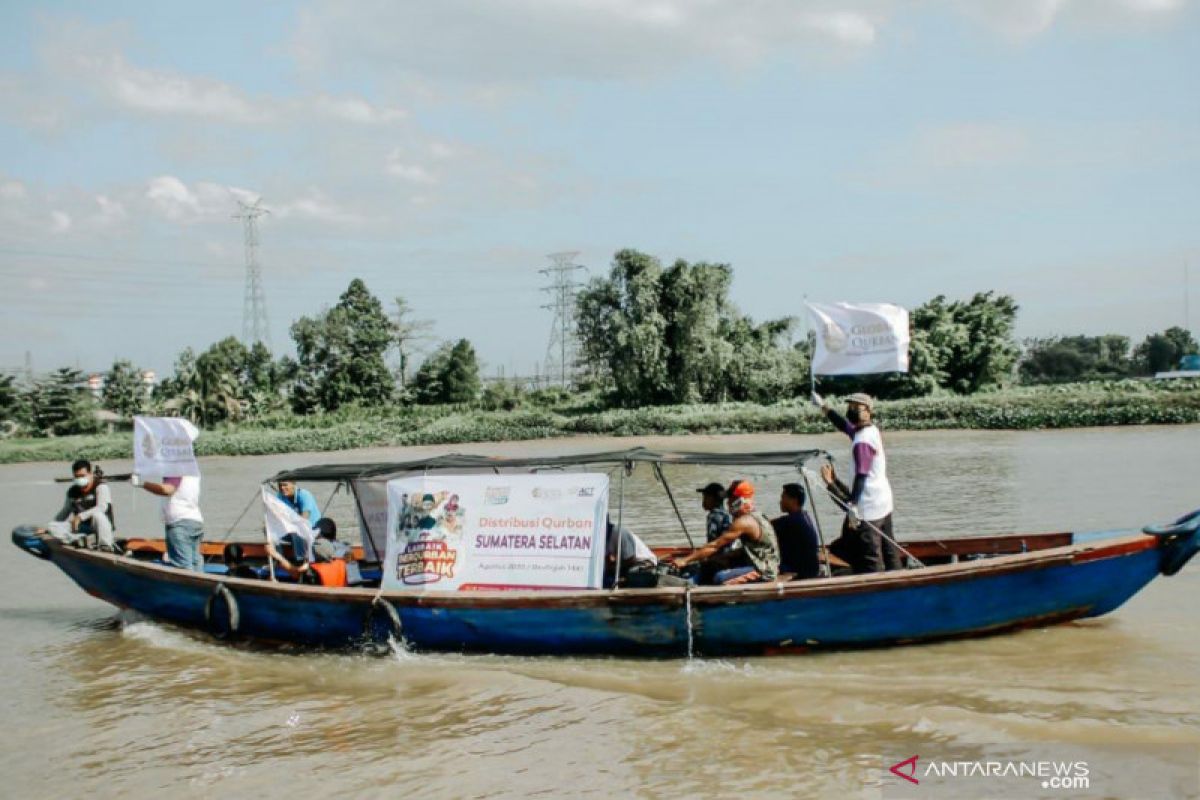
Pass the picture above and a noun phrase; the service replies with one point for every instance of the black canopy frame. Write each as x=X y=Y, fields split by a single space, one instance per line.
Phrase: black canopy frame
x=624 y=460
x=635 y=455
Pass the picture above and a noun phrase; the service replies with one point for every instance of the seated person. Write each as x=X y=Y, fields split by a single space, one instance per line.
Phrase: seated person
x=234 y=557
x=333 y=560
x=712 y=499
x=634 y=554
x=303 y=503
x=88 y=506
x=799 y=544
x=758 y=557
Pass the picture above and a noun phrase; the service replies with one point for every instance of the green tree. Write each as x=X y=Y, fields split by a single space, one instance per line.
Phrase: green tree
x=61 y=404
x=124 y=393
x=341 y=352
x=11 y=405
x=1162 y=352
x=408 y=333
x=1075 y=358
x=622 y=329
x=449 y=375
x=984 y=355
x=673 y=336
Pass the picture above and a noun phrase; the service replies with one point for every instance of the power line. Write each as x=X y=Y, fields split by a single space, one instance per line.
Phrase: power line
x=254 y=302
x=562 y=348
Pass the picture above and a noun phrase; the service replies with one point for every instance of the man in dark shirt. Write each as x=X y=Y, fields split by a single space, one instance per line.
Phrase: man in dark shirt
x=712 y=499
x=799 y=544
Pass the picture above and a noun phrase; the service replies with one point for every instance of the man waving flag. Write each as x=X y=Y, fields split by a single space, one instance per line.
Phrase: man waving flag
x=861 y=339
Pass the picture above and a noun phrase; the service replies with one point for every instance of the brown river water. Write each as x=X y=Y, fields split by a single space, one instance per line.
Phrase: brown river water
x=106 y=705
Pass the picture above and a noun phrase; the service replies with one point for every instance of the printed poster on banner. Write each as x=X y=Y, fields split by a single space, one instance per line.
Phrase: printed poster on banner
x=473 y=532
x=162 y=447
x=859 y=339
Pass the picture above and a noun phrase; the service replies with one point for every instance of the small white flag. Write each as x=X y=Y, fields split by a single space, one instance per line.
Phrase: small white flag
x=859 y=339
x=162 y=447
x=282 y=519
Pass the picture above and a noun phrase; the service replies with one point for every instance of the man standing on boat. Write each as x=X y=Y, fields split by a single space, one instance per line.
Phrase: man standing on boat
x=870 y=497
x=181 y=518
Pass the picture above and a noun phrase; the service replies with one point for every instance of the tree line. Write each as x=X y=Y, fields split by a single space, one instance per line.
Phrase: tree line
x=648 y=335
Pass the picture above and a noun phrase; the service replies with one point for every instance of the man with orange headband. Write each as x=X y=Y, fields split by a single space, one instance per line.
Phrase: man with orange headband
x=758 y=557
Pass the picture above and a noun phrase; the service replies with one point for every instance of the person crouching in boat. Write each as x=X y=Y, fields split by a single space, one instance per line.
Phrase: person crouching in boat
x=88 y=506
x=331 y=562
x=634 y=555
x=758 y=557
x=870 y=497
x=182 y=522
x=303 y=503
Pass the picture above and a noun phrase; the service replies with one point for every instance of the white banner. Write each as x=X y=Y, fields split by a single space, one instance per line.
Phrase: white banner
x=281 y=520
x=859 y=339
x=162 y=447
x=465 y=532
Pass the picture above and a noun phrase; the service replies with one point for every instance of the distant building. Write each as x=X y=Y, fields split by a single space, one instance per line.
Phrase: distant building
x=1189 y=367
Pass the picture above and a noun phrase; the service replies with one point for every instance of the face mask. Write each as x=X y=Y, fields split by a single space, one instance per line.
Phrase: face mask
x=82 y=482
x=854 y=416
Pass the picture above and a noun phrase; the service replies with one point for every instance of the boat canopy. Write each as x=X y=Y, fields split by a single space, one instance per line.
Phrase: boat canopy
x=466 y=461
x=368 y=481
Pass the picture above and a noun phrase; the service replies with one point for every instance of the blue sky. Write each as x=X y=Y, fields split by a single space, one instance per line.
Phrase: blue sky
x=872 y=150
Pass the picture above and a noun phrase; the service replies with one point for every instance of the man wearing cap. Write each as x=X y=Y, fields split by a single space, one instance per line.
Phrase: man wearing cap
x=758 y=557
x=870 y=497
x=712 y=499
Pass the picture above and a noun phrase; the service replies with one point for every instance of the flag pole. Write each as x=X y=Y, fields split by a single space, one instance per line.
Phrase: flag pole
x=812 y=351
x=270 y=547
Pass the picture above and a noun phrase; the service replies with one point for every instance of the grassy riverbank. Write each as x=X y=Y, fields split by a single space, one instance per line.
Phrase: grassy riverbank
x=1041 y=407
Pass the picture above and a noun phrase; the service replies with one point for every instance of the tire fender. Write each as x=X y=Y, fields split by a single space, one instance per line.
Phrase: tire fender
x=234 y=619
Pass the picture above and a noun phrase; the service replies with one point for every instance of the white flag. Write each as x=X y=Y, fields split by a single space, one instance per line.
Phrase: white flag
x=282 y=520
x=162 y=447
x=859 y=339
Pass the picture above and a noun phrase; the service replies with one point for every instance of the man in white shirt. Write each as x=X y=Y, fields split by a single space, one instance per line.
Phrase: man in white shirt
x=181 y=518
x=870 y=497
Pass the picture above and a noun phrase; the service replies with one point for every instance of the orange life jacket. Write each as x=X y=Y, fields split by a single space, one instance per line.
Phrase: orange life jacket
x=330 y=573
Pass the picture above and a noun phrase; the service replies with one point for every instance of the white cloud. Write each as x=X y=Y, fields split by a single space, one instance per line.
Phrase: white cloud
x=162 y=92
x=173 y=199
x=1025 y=19
x=75 y=56
x=398 y=167
x=111 y=211
x=60 y=221
x=441 y=150
x=13 y=190
x=847 y=27
x=520 y=41
x=358 y=110
x=970 y=144
x=314 y=205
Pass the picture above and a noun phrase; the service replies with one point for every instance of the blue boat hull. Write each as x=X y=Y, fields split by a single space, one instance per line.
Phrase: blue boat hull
x=973 y=598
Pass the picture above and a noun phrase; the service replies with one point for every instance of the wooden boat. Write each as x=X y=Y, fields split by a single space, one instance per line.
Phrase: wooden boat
x=966 y=587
